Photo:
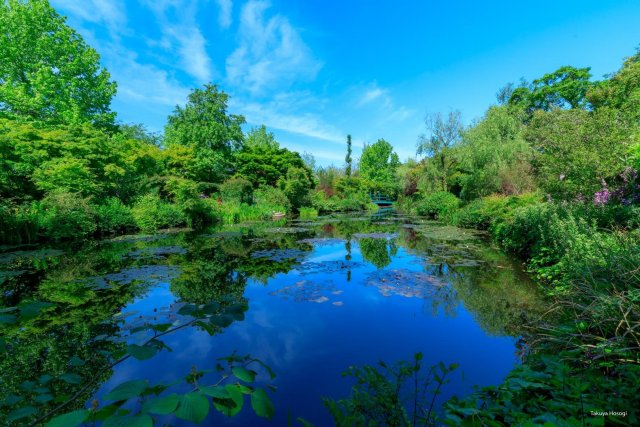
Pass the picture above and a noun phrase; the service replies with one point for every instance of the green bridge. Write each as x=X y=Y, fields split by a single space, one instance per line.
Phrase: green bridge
x=381 y=199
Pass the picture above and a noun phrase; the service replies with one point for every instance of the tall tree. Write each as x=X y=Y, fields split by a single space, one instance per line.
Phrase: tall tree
x=47 y=71
x=378 y=165
x=564 y=88
x=443 y=134
x=208 y=131
x=348 y=158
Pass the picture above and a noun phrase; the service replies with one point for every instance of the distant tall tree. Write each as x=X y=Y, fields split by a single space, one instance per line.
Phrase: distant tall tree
x=378 y=165
x=443 y=134
x=348 y=158
x=210 y=134
x=564 y=88
x=47 y=71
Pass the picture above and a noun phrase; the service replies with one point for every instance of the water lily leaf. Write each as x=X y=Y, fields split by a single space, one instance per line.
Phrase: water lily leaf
x=127 y=390
x=193 y=407
x=141 y=352
x=218 y=392
x=236 y=397
x=71 y=378
x=223 y=320
x=261 y=403
x=32 y=309
x=244 y=374
x=72 y=419
x=161 y=405
x=18 y=414
x=136 y=421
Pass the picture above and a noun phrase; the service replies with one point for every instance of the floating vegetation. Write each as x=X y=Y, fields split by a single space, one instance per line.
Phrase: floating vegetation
x=307 y=291
x=146 y=274
x=279 y=254
x=325 y=267
x=132 y=238
x=8 y=257
x=286 y=230
x=6 y=275
x=322 y=241
x=375 y=235
x=158 y=252
x=406 y=283
x=445 y=232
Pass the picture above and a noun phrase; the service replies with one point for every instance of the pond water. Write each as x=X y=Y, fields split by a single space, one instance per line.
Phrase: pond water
x=322 y=295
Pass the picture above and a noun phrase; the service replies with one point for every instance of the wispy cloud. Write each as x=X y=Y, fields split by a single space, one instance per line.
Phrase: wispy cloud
x=181 y=34
x=225 y=14
x=111 y=13
x=271 y=54
x=372 y=94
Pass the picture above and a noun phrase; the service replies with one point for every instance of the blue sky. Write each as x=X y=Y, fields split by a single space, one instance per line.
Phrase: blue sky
x=313 y=71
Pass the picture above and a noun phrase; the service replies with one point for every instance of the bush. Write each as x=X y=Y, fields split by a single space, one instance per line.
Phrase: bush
x=237 y=190
x=272 y=197
x=441 y=205
x=234 y=213
x=114 y=217
x=151 y=213
x=296 y=187
x=308 y=213
x=19 y=224
x=67 y=216
x=198 y=210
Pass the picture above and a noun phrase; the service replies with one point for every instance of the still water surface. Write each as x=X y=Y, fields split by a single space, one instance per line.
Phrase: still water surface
x=322 y=295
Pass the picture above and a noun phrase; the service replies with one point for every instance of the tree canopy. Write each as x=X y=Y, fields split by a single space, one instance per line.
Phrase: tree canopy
x=47 y=71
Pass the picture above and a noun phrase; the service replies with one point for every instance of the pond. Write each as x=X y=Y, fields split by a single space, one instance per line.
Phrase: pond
x=319 y=296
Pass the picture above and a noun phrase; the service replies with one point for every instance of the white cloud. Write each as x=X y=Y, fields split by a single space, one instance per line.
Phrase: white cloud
x=111 y=13
x=225 y=14
x=271 y=115
x=181 y=34
x=372 y=94
x=271 y=54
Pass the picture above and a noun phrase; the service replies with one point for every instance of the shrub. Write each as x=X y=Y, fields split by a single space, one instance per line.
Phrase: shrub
x=151 y=213
x=67 y=216
x=19 y=224
x=296 y=187
x=308 y=213
x=237 y=190
x=114 y=217
x=441 y=205
x=272 y=197
x=198 y=210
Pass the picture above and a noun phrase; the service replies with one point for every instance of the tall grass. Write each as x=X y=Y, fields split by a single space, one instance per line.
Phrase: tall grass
x=235 y=213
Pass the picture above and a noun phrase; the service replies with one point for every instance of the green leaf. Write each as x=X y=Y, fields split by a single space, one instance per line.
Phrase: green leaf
x=261 y=404
x=193 y=407
x=20 y=413
x=141 y=352
x=161 y=405
x=243 y=374
x=216 y=391
x=222 y=320
x=127 y=390
x=32 y=309
x=187 y=309
x=7 y=318
x=43 y=398
x=76 y=361
x=236 y=397
x=210 y=308
x=72 y=419
x=71 y=378
x=135 y=421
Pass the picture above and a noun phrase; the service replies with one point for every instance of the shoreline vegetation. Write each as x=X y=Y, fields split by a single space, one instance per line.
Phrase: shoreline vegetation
x=551 y=172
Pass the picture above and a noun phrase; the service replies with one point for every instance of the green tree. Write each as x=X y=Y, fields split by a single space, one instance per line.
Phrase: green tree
x=621 y=91
x=577 y=151
x=348 y=158
x=296 y=186
x=47 y=71
x=212 y=135
x=494 y=157
x=378 y=165
x=263 y=162
x=443 y=135
x=564 y=88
